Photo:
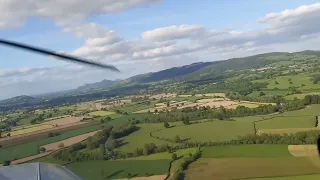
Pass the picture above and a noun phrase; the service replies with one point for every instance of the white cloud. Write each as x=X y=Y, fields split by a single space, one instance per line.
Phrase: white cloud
x=173 y=32
x=13 y=13
x=164 y=47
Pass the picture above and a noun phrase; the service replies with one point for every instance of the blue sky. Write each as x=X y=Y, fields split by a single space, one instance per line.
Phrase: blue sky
x=154 y=25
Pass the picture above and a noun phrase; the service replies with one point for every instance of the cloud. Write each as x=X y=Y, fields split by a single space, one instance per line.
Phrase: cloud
x=13 y=13
x=173 y=32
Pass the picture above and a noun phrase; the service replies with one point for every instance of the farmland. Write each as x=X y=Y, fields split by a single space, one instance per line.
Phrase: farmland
x=119 y=169
x=208 y=131
x=240 y=119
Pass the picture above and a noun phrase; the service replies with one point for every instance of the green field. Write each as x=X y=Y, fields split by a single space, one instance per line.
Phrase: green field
x=102 y=113
x=296 y=80
x=286 y=122
x=302 y=177
x=300 y=96
x=31 y=148
x=136 y=106
x=118 y=169
x=141 y=137
x=252 y=150
x=208 y=131
x=164 y=155
x=244 y=168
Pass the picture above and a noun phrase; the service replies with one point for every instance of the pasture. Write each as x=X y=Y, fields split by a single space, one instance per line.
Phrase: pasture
x=286 y=122
x=301 y=177
x=29 y=129
x=252 y=150
x=32 y=148
x=141 y=137
x=242 y=168
x=296 y=81
x=214 y=131
x=118 y=169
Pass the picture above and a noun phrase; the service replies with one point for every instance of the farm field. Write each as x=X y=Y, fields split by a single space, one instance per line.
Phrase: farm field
x=119 y=169
x=252 y=150
x=102 y=113
x=31 y=148
x=286 y=122
x=242 y=168
x=138 y=138
x=68 y=142
x=208 y=131
x=296 y=80
x=300 y=96
x=29 y=129
x=301 y=177
x=64 y=121
x=303 y=150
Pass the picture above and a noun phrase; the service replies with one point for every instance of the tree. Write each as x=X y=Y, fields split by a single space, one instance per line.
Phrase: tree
x=276 y=82
x=262 y=93
x=174 y=156
x=177 y=139
x=8 y=134
x=102 y=121
x=50 y=134
x=61 y=145
x=166 y=125
x=168 y=104
x=316 y=121
x=6 y=163
x=186 y=122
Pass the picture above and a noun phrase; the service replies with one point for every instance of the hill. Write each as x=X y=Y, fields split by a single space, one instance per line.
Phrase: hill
x=18 y=101
x=97 y=85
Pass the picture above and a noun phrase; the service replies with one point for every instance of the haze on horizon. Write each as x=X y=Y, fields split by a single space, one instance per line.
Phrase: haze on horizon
x=140 y=36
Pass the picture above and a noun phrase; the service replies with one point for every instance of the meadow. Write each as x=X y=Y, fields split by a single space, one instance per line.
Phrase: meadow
x=119 y=169
x=242 y=168
x=252 y=150
x=141 y=137
x=214 y=131
x=296 y=81
x=286 y=122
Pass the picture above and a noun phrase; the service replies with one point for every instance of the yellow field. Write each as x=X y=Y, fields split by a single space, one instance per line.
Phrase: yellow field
x=101 y=113
x=303 y=150
x=213 y=94
x=29 y=129
x=58 y=117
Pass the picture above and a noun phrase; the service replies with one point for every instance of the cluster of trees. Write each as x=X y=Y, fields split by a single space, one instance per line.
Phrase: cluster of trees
x=136 y=99
x=148 y=149
x=316 y=79
x=123 y=130
x=179 y=175
x=261 y=98
x=96 y=143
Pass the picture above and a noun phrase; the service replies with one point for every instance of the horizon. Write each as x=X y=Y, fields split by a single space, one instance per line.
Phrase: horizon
x=144 y=36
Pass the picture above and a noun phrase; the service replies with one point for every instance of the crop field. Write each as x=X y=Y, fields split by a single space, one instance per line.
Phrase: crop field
x=297 y=81
x=252 y=150
x=208 y=131
x=286 y=122
x=138 y=138
x=29 y=129
x=303 y=150
x=137 y=106
x=68 y=142
x=287 y=130
x=242 y=168
x=31 y=148
x=118 y=169
x=301 y=177
x=102 y=113
x=64 y=121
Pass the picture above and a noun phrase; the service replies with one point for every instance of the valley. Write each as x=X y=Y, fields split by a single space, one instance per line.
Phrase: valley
x=245 y=118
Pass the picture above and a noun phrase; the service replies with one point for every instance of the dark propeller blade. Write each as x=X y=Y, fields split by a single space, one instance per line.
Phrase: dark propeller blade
x=52 y=53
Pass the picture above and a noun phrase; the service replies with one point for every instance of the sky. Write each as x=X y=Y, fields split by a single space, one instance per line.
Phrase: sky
x=140 y=36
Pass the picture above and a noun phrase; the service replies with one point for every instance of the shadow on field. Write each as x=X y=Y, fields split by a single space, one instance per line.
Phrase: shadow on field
x=184 y=140
x=122 y=143
x=114 y=174
x=172 y=126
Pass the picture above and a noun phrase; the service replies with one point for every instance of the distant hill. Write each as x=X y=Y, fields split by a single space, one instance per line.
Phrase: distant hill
x=18 y=101
x=97 y=85
x=170 y=73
